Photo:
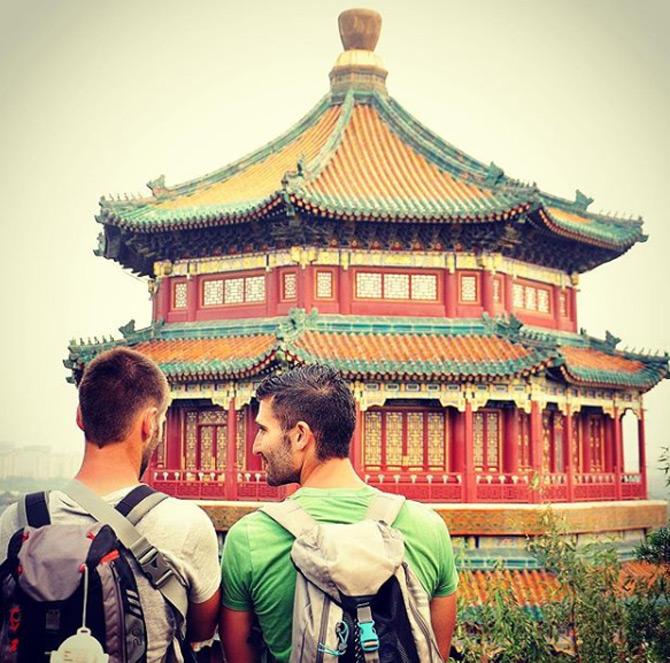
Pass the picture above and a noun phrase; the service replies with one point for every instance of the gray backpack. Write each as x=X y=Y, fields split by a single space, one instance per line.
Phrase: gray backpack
x=356 y=599
x=71 y=592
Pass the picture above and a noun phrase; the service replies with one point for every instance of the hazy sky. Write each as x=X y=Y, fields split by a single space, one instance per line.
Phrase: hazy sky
x=102 y=97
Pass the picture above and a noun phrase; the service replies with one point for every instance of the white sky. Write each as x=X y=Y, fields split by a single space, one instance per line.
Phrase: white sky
x=102 y=97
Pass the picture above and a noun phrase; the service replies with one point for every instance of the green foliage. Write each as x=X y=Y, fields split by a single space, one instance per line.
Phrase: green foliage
x=596 y=614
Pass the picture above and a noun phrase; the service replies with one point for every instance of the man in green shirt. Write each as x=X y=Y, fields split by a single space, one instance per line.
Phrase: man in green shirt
x=305 y=423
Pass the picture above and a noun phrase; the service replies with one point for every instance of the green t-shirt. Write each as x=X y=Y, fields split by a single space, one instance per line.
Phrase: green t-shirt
x=258 y=574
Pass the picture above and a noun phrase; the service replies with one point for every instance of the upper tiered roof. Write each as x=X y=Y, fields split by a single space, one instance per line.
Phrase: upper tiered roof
x=359 y=155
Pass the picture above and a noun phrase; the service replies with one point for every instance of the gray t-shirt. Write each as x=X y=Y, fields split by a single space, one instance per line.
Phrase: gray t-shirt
x=179 y=529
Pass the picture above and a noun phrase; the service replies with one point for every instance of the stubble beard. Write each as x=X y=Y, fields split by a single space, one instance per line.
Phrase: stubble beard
x=280 y=469
x=147 y=452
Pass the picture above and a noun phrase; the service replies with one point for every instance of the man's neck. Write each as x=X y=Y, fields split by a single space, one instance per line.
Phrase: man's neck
x=108 y=469
x=331 y=473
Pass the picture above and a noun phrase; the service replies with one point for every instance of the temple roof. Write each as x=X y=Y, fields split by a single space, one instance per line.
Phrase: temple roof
x=359 y=155
x=390 y=348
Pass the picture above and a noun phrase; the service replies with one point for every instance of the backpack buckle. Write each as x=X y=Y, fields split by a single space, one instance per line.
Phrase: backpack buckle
x=155 y=567
x=368 y=636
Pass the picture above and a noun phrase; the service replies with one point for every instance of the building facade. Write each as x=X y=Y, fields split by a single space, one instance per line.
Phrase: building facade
x=445 y=291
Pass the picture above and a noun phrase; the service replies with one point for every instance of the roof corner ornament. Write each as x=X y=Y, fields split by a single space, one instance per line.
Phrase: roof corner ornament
x=157 y=187
x=128 y=330
x=494 y=174
x=611 y=341
x=99 y=251
x=581 y=201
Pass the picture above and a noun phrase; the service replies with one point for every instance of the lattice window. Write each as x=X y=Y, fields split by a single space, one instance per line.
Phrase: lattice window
x=396 y=286
x=497 y=291
x=542 y=300
x=517 y=295
x=531 y=298
x=372 y=442
x=468 y=288
x=212 y=416
x=179 y=295
x=290 y=286
x=234 y=291
x=424 y=287
x=191 y=440
x=368 y=285
x=212 y=292
x=436 y=439
x=596 y=442
x=254 y=288
x=546 y=442
x=241 y=440
x=478 y=438
x=524 y=440
x=221 y=446
x=394 y=438
x=324 y=285
x=492 y=440
x=559 y=463
x=206 y=448
x=577 y=451
x=415 y=439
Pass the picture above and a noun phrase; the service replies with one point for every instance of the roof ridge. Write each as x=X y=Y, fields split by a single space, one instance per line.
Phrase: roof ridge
x=313 y=169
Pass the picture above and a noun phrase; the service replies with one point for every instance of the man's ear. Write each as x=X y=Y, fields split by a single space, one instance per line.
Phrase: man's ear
x=149 y=422
x=79 y=419
x=303 y=436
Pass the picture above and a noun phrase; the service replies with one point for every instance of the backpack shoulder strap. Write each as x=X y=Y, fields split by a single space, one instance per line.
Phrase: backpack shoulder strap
x=33 y=510
x=153 y=563
x=291 y=516
x=385 y=507
x=138 y=502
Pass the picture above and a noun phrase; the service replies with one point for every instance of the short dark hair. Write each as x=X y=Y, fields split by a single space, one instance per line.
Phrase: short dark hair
x=317 y=395
x=114 y=387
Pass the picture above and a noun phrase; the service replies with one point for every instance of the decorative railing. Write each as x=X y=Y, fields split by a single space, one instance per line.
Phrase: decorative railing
x=522 y=487
x=435 y=487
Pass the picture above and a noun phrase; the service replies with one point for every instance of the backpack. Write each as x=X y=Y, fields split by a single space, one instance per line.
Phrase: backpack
x=69 y=592
x=356 y=600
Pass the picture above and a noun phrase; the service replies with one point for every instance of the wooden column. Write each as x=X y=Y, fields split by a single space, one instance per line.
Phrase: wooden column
x=345 y=291
x=192 y=297
x=356 y=449
x=458 y=442
x=556 y=305
x=230 y=491
x=509 y=297
x=536 y=446
x=609 y=443
x=469 y=455
x=569 y=453
x=642 y=453
x=572 y=299
x=617 y=456
x=511 y=446
x=450 y=293
x=272 y=286
x=487 y=291
x=162 y=299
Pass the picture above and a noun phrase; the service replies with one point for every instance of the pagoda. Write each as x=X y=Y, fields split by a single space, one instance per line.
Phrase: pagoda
x=444 y=290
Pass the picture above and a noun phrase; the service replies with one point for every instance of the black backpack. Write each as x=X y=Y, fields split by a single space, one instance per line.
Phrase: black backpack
x=65 y=580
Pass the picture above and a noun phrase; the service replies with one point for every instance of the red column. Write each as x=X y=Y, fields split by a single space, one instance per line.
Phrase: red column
x=536 y=445
x=556 y=305
x=272 y=286
x=231 y=453
x=487 y=291
x=450 y=293
x=508 y=293
x=345 y=291
x=355 y=452
x=511 y=446
x=458 y=444
x=572 y=292
x=609 y=443
x=162 y=298
x=173 y=439
x=192 y=297
x=569 y=453
x=307 y=276
x=642 y=453
x=617 y=456
x=469 y=455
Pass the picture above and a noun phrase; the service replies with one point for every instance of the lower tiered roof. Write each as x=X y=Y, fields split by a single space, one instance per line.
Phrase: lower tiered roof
x=389 y=348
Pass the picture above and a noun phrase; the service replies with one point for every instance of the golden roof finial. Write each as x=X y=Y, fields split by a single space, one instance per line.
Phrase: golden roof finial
x=358 y=67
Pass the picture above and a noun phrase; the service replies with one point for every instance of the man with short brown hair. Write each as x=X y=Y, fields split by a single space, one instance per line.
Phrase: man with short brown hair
x=123 y=399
